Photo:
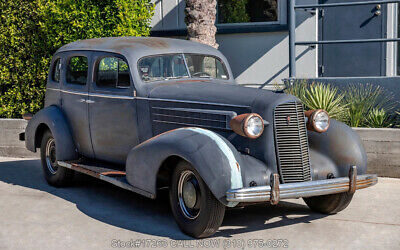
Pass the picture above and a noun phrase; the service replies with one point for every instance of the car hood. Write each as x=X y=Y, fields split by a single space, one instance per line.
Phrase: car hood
x=228 y=97
x=209 y=92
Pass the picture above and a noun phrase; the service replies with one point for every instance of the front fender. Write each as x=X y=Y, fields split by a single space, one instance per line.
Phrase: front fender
x=215 y=159
x=335 y=151
x=53 y=118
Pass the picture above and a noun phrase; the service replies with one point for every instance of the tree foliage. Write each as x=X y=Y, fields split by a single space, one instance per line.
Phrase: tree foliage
x=32 y=30
x=233 y=11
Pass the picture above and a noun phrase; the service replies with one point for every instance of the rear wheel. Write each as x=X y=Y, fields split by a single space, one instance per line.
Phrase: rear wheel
x=54 y=174
x=197 y=212
x=329 y=204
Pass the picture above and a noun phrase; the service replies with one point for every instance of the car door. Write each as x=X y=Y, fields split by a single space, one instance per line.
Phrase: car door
x=74 y=97
x=112 y=109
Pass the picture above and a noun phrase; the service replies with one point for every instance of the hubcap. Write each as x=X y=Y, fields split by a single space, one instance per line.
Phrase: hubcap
x=189 y=194
x=51 y=161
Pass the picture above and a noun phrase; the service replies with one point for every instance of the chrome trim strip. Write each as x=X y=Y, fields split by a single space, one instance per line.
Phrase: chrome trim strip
x=52 y=89
x=148 y=98
x=112 y=96
x=74 y=92
x=300 y=189
x=94 y=95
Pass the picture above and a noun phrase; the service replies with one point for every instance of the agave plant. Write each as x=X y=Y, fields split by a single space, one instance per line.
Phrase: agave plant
x=319 y=96
x=397 y=119
x=379 y=118
x=326 y=97
x=298 y=89
x=363 y=99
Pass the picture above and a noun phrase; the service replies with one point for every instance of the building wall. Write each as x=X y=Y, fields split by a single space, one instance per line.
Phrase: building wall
x=257 y=58
x=261 y=58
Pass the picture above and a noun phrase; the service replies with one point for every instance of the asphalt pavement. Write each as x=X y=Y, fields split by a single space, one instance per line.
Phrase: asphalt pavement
x=95 y=215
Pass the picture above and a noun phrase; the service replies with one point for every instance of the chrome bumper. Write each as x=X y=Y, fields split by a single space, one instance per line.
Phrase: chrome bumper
x=277 y=191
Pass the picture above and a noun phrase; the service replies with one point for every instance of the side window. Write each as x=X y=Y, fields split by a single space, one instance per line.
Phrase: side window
x=55 y=74
x=113 y=72
x=77 y=70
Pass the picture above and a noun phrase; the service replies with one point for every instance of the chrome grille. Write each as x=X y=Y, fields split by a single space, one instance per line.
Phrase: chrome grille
x=292 y=142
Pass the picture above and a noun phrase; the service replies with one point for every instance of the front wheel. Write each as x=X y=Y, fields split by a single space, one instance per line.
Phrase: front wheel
x=54 y=174
x=329 y=204
x=197 y=212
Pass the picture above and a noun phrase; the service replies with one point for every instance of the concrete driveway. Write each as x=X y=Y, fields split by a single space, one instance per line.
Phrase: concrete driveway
x=96 y=215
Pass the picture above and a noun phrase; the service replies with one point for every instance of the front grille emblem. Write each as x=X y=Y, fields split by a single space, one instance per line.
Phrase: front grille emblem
x=288 y=118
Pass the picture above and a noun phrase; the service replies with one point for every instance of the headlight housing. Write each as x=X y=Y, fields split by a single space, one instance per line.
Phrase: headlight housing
x=318 y=120
x=248 y=125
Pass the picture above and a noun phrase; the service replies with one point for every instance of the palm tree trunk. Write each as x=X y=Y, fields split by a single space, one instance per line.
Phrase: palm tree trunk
x=200 y=16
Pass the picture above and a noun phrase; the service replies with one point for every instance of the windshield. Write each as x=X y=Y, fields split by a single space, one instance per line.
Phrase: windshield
x=174 y=66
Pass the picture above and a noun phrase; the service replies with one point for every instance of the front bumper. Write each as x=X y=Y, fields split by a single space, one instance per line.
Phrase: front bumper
x=277 y=191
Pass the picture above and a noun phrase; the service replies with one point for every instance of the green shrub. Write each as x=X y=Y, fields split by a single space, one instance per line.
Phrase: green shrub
x=356 y=105
x=362 y=99
x=233 y=11
x=379 y=118
x=32 y=30
x=319 y=96
x=397 y=119
x=298 y=89
x=326 y=97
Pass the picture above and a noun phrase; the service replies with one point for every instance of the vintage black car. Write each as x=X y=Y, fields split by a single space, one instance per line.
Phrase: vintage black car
x=150 y=113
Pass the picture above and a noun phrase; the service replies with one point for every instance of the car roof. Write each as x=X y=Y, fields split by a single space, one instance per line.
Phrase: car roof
x=137 y=47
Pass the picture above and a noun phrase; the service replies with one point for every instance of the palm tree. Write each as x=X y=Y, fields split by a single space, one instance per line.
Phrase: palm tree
x=200 y=16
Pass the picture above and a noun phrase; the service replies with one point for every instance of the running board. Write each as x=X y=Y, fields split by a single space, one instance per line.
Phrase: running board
x=115 y=177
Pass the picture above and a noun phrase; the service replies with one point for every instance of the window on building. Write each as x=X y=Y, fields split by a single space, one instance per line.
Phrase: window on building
x=247 y=11
x=55 y=76
x=77 y=70
x=113 y=72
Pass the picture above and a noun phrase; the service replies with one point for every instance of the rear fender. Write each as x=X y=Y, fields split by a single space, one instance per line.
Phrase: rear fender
x=53 y=118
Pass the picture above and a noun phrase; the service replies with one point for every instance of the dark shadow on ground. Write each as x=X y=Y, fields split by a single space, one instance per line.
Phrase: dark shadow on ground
x=124 y=209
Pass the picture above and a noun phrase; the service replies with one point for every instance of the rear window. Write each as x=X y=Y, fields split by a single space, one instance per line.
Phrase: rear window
x=77 y=70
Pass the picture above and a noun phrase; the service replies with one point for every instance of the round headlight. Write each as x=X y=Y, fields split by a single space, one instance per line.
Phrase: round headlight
x=248 y=125
x=253 y=126
x=320 y=120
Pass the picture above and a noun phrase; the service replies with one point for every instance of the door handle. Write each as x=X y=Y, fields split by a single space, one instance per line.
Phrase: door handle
x=84 y=100
x=378 y=10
